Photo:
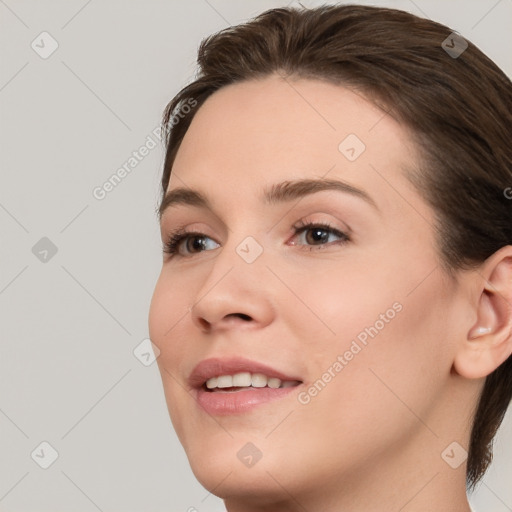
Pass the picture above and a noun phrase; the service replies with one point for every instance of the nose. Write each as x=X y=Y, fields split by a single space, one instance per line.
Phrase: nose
x=235 y=294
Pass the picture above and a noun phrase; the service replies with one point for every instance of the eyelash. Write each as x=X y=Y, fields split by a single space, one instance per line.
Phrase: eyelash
x=171 y=246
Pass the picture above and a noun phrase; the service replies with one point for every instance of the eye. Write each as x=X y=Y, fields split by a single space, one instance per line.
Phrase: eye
x=194 y=242
x=191 y=240
x=318 y=234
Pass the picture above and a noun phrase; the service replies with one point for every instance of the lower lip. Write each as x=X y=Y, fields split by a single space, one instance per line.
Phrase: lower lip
x=236 y=402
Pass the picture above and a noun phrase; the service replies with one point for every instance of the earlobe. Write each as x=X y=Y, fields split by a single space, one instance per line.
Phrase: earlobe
x=488 y=342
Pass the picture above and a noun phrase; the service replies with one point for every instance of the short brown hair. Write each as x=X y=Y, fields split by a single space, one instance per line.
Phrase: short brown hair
x=458 y=110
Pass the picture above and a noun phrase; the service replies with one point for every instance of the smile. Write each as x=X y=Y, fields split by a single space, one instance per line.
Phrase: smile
x=245 y=380
x=237 y=385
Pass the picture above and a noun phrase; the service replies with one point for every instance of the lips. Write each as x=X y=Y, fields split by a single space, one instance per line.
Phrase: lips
x=228 y=401
x=215 y=367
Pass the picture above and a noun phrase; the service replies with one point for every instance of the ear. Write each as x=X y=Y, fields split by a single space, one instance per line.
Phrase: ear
x=488 y=342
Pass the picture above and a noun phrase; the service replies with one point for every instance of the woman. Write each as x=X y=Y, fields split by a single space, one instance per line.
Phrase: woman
x=334 y=310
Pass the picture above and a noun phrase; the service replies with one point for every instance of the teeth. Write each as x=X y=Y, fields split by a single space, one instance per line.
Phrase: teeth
x=246 y=379
x=258 y=380
x=274 y=383
x=242 y=379
x=211 y=383
x=225 y=381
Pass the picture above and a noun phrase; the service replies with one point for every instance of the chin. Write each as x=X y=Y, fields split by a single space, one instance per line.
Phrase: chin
x=238 y=467
x=256 y=486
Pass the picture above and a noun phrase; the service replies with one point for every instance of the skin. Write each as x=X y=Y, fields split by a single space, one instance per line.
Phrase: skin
x=375 y=433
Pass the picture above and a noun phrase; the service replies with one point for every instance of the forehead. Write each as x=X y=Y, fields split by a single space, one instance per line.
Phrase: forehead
x=249 y=135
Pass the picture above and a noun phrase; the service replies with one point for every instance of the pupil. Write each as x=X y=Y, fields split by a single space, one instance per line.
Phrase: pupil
x=319 y=234
x=198 y=243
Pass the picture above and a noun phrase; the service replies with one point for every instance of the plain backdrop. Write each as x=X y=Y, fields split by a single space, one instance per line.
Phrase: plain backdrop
x=82 y=85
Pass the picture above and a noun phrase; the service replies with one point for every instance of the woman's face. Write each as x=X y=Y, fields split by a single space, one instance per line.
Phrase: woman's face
x=356 y=317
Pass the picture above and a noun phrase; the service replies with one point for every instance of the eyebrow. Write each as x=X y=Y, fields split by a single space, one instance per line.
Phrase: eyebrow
x=276 y=193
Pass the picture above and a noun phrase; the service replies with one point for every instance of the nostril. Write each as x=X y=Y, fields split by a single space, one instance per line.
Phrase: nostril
x=204 y=324
x=242 y=316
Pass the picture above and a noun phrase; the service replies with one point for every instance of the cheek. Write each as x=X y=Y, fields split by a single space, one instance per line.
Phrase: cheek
x=168 y=316
x=167 y=311
x=337 y=304
x=385 y=340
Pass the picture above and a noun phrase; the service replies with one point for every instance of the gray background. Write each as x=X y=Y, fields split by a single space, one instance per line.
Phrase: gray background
x=70 y=321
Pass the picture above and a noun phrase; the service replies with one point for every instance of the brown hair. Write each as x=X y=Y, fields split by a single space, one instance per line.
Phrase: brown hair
x=457 y=107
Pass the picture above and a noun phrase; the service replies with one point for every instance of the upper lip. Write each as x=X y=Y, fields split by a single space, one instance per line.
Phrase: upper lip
x=215 y=367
